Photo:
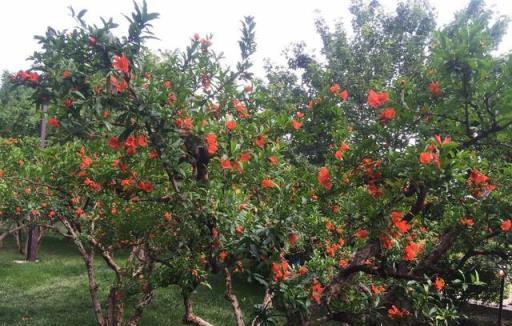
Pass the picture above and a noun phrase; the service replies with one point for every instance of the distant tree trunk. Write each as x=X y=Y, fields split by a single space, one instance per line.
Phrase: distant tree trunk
x=32 y=243
x=34 y=234
x=115 y=307
x=19 y=240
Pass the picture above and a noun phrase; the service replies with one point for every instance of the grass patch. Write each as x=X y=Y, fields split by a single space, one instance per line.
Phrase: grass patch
x=54 y=291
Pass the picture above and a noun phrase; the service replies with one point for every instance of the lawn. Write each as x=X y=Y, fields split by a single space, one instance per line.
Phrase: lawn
x=54 y=291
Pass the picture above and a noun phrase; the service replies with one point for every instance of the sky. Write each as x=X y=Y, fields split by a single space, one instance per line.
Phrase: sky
x=279 y=23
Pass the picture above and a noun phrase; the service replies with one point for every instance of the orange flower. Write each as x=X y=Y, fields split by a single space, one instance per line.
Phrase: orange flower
x=296 y=124
x=467 y=221
x=395 y=313
x=230 y=124
x=376 y=99
x=335 y=88
x=167 y=216
x=171 y=98
x=142 y=141
x=299 y=115
x=434 y=89
x=86 y=162
x=377 y=289
x=153 y=154
x=439 y=284
x=66 y=74
x=211 y=142
x=303 y=270
x=506 y=225
x=120 y=63
x=54 y=122
x=267 y=183
x=411 y=251
x=426 y=158
x=387 y=115
x=120 y=86
x=323 y=178
x=342 y=263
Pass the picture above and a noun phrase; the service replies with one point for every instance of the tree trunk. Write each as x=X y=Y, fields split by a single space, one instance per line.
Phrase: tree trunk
x=32 y=243
x=115 y=307
x=19 y=241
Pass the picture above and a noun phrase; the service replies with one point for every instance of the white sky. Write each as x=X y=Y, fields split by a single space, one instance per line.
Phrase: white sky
x=279 y=22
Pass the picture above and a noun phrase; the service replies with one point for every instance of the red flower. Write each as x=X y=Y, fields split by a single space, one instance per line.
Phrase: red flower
x=211 y=142
x=411 y=251
x=68 y=102
x=267 y=183
x=260 y=141
x=376 y=99
x=171 y=98
x=186 y=124
x=120 y=86
x=445 y=141
x=293 y=238
x=167 y=84
x=387 y=115
x=114 y=142
x=316 y=291
x=86 y=162
x=361 y=234
x=225 y=164
x=434 y=89
x=280 y=272
x=343 y=95
x=239 y=230
x=335 y=88
x=299 y=115
x=121 y=64
x=303 y=270
x=230 y=124
x=439 y=284
x=323 y=178
x=66 y=74
x=245 y=157
x=79 y=212
x=479 y=184
x=153 y=154
x=145 y=186
x=506 y=225
x=272 y=160
x=296 y=124
x=54 y=122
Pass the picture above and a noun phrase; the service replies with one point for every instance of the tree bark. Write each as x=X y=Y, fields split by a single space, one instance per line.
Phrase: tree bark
x=189 y=317
x=115 y=307
x=32 y=243
x=231 y=297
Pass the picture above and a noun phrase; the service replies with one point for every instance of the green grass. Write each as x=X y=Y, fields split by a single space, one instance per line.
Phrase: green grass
x=54 y=291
